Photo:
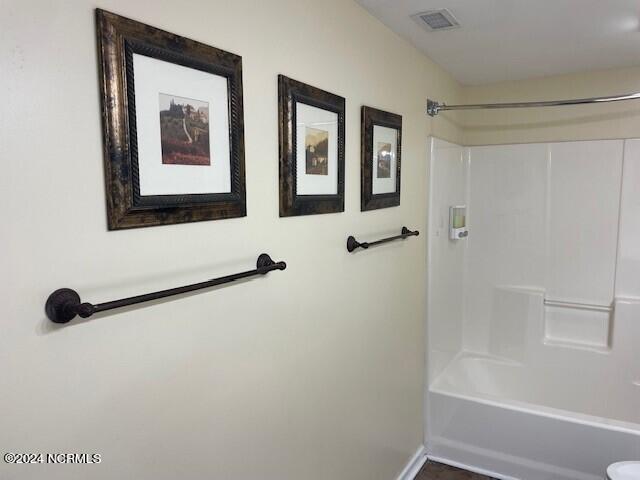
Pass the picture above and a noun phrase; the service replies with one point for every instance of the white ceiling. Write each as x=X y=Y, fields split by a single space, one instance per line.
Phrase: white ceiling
x=503 y=40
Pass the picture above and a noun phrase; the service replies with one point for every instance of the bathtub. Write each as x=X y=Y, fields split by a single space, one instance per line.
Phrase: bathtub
x=501 y=418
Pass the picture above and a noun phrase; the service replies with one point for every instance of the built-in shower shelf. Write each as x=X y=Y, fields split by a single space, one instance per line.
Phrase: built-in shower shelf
x=577 y=346
x=578 y=305
x=582 y=325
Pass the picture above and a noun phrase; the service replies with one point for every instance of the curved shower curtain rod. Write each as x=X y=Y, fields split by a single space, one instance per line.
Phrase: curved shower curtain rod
x=433 y=107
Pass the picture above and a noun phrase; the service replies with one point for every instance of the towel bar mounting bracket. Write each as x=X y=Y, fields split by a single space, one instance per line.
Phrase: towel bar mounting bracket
x=58 y=303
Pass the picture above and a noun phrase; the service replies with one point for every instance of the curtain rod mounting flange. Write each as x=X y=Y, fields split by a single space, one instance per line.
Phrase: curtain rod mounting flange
x=432 y=107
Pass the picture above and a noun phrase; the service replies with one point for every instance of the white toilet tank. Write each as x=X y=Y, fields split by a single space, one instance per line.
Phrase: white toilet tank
x=624 y=471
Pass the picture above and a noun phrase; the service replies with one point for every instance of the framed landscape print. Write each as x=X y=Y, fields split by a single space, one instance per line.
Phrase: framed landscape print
x=381 y=138
x=311 y=135
x=173 y=126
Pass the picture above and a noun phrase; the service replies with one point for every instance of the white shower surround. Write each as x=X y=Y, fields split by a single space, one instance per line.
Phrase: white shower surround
x=516 y=387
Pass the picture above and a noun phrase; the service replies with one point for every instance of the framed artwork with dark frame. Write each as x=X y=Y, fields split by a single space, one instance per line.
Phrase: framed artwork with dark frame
x=311 y=138
x=173 y=126
x=381 y=139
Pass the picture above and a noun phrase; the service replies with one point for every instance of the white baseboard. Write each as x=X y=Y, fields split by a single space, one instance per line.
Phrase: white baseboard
x=415 y=464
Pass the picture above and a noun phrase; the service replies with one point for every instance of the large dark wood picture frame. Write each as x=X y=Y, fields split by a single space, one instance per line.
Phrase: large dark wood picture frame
x=119 y=39
x=290 y=93
x=372 y=117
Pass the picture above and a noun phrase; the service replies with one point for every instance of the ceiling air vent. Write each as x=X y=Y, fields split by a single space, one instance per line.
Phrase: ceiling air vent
x=435 y=20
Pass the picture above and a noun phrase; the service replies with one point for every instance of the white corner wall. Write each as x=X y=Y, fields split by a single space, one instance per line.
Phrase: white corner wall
x=543 y=217
x=628 y=271
x=583 y=215
x=548 y=222
x=507 y=231
x=311 y=373
x=449 y=168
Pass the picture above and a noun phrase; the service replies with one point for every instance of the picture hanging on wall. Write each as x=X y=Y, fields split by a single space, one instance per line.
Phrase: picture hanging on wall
x=173 y=126
x=381 y=136
x=311 y=149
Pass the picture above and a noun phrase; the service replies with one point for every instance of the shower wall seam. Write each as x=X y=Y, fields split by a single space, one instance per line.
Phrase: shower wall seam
x=618 y=259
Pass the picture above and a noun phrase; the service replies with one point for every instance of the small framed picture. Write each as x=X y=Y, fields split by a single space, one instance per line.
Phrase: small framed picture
x=381 y=138
x=173 y=126
x=311 y=149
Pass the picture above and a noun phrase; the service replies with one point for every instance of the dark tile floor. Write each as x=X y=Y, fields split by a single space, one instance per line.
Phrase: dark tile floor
x=438 y=471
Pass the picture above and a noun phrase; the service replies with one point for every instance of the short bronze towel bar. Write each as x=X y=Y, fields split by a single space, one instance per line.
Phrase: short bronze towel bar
x=64 y=304
x=353 y=244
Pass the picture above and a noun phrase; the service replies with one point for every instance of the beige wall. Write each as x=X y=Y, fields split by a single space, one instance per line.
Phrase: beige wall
x=601 y=121
x=311 y=373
